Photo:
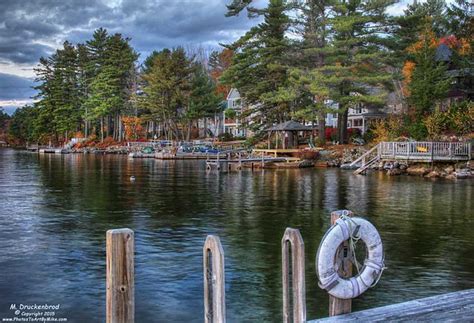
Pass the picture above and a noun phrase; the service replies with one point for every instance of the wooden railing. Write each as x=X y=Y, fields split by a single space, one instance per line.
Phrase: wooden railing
x=425 y=150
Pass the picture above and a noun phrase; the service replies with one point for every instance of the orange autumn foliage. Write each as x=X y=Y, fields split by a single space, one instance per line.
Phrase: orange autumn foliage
x=427 y=37
x=225 y=60
x=133 y=128
x=407 y=72
x=461 y=46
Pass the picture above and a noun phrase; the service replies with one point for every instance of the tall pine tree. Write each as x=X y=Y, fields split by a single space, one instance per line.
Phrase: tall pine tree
x=260 y=63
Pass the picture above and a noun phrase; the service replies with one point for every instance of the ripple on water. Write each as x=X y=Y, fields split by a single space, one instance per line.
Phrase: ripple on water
x=55 y=210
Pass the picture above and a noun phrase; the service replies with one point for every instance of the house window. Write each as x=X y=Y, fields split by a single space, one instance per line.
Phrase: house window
x=358 y=123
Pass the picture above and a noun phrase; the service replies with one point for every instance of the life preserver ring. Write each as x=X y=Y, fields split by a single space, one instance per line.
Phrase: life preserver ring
x=346 y=228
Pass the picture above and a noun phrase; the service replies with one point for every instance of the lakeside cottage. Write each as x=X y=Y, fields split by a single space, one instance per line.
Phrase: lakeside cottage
x=359 y=117
x=233 y=123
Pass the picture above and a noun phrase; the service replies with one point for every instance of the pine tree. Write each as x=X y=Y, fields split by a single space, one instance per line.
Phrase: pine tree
x=204 y=100
x=23 y=124
x=355 y=68
x=59 y=112
x=415 y=18
x=112 y=66
x=167 y=87
x=308 y=54
x=259 y=65
x=460 y=20
x=429 y=81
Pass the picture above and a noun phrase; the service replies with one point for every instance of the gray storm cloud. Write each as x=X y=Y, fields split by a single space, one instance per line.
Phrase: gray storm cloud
x=30 y=29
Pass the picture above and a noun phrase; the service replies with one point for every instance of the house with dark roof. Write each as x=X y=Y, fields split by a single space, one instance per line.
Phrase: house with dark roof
x=462 y=85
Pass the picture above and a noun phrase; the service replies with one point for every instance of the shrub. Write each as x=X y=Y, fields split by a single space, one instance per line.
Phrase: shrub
x=225 y=137
x=330 y=133
x=353 y=133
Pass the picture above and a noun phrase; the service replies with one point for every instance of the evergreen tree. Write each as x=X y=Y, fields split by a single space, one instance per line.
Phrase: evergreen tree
x=259 y=65
x=429 y=82
x=415 y=18
x=111 y=64
x=4 y=118
x=59 y=111
x=204 y=101
x=460 y=20
x=22 y=125
x=167 y=88
x=308 y=54
x=355 y=67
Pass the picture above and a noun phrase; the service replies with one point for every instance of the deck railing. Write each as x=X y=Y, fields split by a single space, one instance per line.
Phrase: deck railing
x=425 y=150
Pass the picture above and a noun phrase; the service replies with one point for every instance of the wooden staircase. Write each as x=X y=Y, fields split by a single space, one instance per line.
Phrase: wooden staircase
x=367 y=159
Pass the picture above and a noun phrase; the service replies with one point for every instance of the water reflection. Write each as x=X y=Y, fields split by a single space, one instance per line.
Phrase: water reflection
x=54 y=212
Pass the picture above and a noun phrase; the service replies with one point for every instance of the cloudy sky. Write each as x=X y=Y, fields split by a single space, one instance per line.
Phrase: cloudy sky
x=30 y=29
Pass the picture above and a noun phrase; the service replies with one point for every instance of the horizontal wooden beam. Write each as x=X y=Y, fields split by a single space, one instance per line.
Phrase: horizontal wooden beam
x=457 y=307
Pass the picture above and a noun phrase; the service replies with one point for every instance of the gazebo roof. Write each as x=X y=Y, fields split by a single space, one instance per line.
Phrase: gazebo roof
x=289 y=126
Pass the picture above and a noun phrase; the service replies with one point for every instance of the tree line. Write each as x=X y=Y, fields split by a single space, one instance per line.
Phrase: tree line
x=97 y=89
x=311 y=57
x=304 y=59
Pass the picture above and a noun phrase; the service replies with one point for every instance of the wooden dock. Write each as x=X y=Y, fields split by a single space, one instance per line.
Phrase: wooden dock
x=276 y=152
x=453 y=307
x=163 y=155
x=53 y=151
x=250 y=162
x=415 y=152
x=120 y=305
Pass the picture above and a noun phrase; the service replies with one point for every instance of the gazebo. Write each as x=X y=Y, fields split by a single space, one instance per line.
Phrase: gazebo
x=288 y=132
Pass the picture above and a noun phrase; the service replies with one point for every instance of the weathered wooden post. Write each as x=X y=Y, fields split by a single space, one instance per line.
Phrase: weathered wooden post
x=339 y=306
x=292 y=239
x=120 y=295
x=214 y=280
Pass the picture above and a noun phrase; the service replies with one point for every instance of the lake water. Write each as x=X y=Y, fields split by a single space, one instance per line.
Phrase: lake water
x=55 y=210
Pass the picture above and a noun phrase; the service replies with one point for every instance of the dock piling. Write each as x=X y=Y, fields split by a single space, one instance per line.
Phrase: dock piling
x=294 y=287
x=339 y=306
x=214 y=280
x=120 y=294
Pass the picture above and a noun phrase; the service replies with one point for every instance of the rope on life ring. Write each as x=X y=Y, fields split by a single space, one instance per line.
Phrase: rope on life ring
x=352 y=229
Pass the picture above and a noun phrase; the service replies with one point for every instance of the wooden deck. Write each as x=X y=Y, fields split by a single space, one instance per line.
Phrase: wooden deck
x=452 y=307
x=425 y=151
x=276 y=152
x=414 y=151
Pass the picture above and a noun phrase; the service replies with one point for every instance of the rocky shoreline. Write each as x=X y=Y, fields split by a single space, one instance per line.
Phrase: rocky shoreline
x=341 y=158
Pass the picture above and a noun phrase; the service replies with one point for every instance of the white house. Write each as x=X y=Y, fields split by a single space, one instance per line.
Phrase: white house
x=360 y=117
x=233 y=123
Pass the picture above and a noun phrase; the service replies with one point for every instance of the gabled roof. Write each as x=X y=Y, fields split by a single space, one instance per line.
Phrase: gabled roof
x=289 y=126
x=233 y=94
x=443 y=53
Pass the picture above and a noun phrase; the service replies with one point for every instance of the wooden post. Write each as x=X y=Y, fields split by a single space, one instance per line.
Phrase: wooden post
x=292 y=238
x=120 y=295
x=339 y=306
x=214 y=280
